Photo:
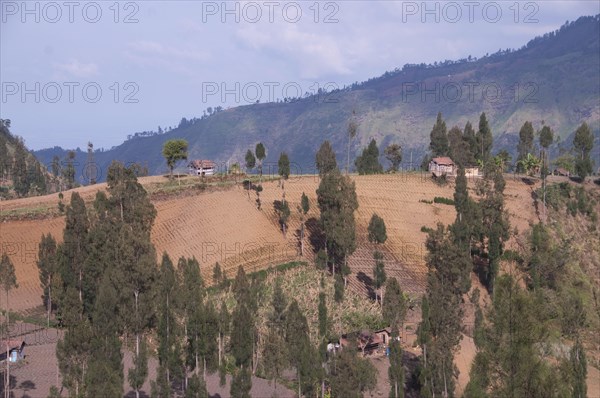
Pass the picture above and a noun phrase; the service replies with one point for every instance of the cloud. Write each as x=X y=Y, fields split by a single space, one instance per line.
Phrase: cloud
x=313 y=54
x=75 y=68
x=156 y=49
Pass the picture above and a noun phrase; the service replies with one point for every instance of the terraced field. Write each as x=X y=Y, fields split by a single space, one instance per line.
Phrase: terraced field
x=226 y=226
x=394 y=197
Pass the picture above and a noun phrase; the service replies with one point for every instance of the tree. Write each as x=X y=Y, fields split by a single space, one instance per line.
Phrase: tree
x=352 y=376
x=241 y=383
x=325 y=159
x=69 y=170
x=19 y=169
x=368 y=162
x=104 y=374
x=224 y=322
x=396 y=370
x=323 y=319
x=260 y=155
x=5 y=163
x=174 y=151
x=546 y=139
x=169 y=350
x=250 y=160
x=196 y=388
x=283 y=211
x=47 y=266
x=242 y=341
x=484 y=139
x=377 y=235
x=583 y=142
x=525 y=147
x=303 y=209
x=458 y=147
x=135 y=265
x=448 y=278
x=279 y=304
x=352 y=131
x=393 y=153
x=394 y=306
x=509 y=362
x=91 y=170
x=284 y=165
x=8 y=281
x=75 y=244
x=300 y=352
x=379 y=275
x=470 y=138
x=438 y=138
x=274 y=349
x=377 y=230
x=336 y=197
x=578 y=368
x=274 y=356
x=56 y=169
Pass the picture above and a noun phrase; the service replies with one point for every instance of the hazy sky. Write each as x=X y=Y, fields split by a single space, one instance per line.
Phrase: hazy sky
x=77 y=71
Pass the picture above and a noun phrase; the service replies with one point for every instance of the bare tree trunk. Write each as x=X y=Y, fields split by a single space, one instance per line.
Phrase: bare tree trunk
x=220 y=349
x=185 y=373
x=299 y=385
x=7 y=390
x=137 y=338
x=168 y=373
x=49 y=300
x=445 y=385
x=302 y=238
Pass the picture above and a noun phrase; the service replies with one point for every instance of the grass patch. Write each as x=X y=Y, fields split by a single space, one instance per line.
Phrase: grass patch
x=38 y=320
x=25 y=213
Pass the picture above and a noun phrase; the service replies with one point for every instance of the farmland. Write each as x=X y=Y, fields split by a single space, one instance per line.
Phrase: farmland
x=226 y=226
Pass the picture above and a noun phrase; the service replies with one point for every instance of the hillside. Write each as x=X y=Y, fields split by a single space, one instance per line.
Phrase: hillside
x=224 y=225
x=553 y=79
x=21 y=174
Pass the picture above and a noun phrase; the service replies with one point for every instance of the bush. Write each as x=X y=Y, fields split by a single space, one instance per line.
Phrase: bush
x=445 y=201
x=572 y=208
x=425 y=201
x=425 y=229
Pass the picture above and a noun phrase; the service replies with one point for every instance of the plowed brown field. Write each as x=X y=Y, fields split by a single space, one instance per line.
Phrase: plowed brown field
x=226 y=226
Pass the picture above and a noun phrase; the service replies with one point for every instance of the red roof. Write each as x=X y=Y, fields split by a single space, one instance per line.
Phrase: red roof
x=443 y=160
x=202 y=164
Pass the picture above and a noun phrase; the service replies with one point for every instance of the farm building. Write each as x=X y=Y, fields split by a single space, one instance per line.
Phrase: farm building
x=441 y=166
x=368 y=342
x=445 y=166
x=471 y=171
x=559 y=171
x=202 y=167
x=14 y=348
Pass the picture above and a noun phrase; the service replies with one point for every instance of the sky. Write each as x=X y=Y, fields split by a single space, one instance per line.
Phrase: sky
x=73 y=72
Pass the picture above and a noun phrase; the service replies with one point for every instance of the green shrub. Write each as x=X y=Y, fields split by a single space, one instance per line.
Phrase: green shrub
x=445 y=201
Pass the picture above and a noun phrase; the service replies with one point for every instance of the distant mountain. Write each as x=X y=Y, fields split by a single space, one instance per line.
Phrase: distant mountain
x=553 y=79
